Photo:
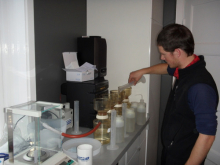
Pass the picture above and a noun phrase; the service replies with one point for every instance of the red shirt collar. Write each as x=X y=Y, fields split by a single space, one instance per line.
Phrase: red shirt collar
x=176 y=73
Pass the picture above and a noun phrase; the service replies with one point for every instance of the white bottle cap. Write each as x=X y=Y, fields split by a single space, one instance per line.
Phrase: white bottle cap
x=101 y=117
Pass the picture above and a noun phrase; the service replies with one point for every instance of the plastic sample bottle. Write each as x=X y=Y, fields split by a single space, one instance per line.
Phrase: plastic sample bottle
x=141 y=112
x=134 y=105
x=119 y=129
x=130 y=120
x=102 y=134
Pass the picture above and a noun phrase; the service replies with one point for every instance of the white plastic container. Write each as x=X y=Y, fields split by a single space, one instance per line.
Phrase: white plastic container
x=130 y=120
x=119 y=129
x=134 y=105
x=141 y=112
x=84 y=154
x=70 y=146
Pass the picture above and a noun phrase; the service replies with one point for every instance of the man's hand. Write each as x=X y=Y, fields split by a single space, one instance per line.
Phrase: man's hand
x=135 y=76
x=156 y=69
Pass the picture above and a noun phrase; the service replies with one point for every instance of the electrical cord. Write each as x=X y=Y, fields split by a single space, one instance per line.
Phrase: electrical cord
x=52 y=113
x=18 y=121
x=25 y=115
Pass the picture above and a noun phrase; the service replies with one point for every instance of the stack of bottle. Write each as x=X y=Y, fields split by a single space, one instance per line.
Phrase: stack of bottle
x=134 y=113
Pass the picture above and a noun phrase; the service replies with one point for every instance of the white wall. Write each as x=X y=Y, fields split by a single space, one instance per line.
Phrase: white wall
x=131 y=28
x=126 y=27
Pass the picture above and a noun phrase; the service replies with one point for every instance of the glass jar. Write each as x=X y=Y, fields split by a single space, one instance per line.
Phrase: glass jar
x=127 y=102
x=118 y=108
x=102 y=134
x=127 y=92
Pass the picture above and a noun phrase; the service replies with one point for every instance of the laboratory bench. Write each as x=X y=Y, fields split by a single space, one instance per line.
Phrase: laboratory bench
x=130 y=152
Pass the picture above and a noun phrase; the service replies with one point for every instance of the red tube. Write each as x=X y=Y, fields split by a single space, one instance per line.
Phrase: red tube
x=82 y=135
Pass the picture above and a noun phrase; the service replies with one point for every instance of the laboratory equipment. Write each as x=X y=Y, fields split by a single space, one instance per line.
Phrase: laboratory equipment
x=128 y=85
x=127 y=92
x=124 y=113
x=113 y=145
x=37 y=145
x=114 y=98
x=117 y=96
x=84 y=154
x=76 y=130
x=130 y=120
x=85 y=93
x=67 y=115
x=69 y=146
x=119 y=129
x=118 y=108
x=117 y=99
x=103 y=132
x=141 y=112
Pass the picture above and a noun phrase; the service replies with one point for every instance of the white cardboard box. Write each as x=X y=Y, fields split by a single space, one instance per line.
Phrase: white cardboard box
x=74 y=72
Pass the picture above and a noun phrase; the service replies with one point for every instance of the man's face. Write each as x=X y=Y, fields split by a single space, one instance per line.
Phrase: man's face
x=169 y=57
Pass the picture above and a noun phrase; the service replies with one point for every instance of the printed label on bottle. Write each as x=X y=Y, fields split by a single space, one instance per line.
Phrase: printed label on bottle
x=84 y=159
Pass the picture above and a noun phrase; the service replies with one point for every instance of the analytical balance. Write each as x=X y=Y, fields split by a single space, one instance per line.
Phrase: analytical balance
x=36 y=144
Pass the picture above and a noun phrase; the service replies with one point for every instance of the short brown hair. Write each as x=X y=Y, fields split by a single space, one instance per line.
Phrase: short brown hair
x=175 y=36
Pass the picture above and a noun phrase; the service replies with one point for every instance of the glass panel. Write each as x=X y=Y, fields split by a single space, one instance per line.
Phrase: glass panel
x=25 y=138
x=37 y=106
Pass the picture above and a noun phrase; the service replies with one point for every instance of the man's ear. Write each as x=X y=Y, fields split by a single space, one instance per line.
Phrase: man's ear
x=177 y=52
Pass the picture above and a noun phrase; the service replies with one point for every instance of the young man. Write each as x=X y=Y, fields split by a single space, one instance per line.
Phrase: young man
x=189 y=124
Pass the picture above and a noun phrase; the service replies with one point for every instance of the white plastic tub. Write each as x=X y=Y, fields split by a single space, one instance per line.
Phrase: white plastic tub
x=70 y=146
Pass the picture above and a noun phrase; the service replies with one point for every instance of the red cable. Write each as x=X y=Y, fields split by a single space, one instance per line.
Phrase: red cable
x=82 y=135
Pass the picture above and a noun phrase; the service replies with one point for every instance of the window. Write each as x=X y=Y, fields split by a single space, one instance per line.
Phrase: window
x=17 y=59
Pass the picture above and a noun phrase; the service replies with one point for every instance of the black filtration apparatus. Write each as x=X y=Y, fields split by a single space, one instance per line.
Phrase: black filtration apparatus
x=92 y=50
